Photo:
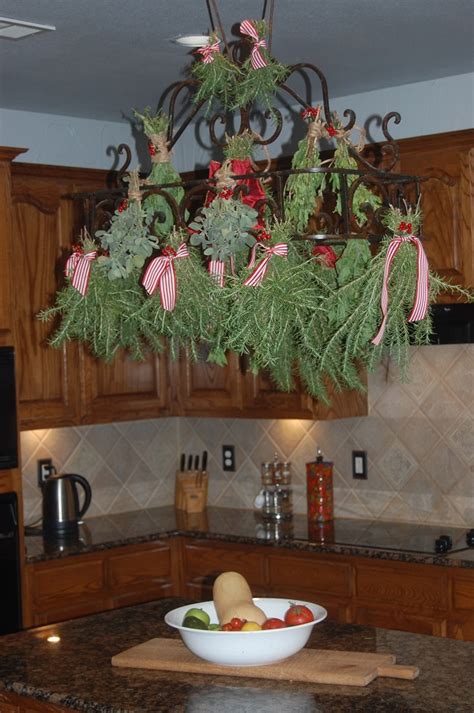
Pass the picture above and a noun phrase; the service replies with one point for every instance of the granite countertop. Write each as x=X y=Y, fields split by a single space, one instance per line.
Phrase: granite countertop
x=77 y=674
x=364 y=538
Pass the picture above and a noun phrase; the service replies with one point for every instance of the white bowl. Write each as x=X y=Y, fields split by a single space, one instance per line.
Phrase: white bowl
x=246 y=648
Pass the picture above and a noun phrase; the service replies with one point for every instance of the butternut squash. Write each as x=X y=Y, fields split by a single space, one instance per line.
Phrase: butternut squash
x=233 y=597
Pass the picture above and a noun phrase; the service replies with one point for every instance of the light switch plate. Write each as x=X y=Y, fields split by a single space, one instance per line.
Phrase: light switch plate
x=359 y=465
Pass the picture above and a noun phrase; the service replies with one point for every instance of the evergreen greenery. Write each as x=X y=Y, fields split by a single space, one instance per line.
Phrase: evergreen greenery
x=218 y=79
x=301 y=189
x=259 y=85
x=198 y=315
x=103 y=318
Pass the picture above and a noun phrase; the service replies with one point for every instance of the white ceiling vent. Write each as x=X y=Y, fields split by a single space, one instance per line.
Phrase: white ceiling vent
x=17 y=29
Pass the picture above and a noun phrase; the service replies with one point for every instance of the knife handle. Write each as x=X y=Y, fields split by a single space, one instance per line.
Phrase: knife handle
x=204 y=461
x=190 y=462
x=182 y=462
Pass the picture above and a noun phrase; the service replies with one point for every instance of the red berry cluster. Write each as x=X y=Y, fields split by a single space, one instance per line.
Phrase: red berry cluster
x=123 y=206
x=310 y=113
x=405 y=227
x=168 y=251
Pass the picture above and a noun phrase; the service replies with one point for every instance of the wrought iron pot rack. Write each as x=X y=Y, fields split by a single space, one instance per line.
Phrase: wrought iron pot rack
x=326 y=227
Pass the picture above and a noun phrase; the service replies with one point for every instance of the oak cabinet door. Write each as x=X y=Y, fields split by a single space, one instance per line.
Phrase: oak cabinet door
x=262 y=399
x=447 y=200
x=124 y=389
x=43 y=230
x=205 y=389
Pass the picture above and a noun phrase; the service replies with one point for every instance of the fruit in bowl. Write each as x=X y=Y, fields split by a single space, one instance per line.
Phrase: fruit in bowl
x=263 y=642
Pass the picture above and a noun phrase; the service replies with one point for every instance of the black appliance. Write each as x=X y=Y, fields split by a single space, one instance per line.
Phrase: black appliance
x=8 y=425
x=10 y=588
x=61 y=508
x=452 y=324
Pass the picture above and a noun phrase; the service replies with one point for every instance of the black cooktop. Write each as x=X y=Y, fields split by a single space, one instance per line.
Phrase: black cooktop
x=422 y=539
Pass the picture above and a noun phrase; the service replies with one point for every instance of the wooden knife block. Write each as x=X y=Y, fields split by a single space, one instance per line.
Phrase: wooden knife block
x=191 y=490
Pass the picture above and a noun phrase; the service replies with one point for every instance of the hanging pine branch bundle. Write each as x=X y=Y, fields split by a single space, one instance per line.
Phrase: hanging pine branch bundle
x=386 y=308
x=217 y=74
x=195 y=312
x=342 y=159
x=162 y=171
x=262 y=73
x=94 y=309
x=271 y=302
x=302 y=189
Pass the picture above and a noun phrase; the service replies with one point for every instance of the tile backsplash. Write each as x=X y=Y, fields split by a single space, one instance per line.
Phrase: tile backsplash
x=419 y=438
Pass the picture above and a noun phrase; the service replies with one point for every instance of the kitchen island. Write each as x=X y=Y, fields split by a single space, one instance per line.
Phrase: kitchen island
x=75 y=674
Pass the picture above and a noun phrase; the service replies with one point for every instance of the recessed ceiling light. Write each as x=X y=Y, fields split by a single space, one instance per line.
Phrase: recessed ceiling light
x=17 y=29
x=192 y=40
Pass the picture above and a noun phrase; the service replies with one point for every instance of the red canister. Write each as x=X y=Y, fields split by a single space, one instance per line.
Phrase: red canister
x=319 y=490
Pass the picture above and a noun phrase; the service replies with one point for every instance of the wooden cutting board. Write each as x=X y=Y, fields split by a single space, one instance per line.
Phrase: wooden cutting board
x=349 y=668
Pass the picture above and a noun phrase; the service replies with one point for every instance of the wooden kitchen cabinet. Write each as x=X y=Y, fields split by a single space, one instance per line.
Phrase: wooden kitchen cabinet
x=7 y=155
x=75 y=586
x=45 y=225
x=421 y=598
x=447 y=200
x=203 y=561
x=123 y=389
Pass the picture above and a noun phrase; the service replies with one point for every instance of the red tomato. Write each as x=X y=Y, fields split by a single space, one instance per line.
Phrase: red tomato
x=273 y=623
x=236 y=624
x=298 y=614
x=227 y=627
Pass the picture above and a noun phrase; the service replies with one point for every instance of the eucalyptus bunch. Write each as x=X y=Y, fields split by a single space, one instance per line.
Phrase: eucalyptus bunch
x=222 y=229
x=128 y=241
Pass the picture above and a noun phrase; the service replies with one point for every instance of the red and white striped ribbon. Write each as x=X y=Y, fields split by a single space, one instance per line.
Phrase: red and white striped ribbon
x=247 y=27
x=216 y=268
x=78 y=269
x=258 y=274
x=208 y=52
x=420 y=305
x=161 y=273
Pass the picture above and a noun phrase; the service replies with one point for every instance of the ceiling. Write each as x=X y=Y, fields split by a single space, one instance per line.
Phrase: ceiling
x=108 y=56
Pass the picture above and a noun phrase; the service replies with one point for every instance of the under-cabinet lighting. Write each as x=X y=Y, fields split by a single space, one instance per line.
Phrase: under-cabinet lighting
x=53 y=639
x=17 y=29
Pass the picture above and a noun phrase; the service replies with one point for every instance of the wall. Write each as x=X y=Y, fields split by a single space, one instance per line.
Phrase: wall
x=419 y=438
x=427 y=107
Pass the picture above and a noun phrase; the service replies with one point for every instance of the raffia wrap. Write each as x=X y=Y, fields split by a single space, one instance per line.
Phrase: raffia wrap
x=316 y=131
x=134 y=193
x=224 y=176
x=163 y=154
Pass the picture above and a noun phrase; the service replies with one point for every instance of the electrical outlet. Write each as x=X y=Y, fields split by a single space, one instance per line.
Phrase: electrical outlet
x=228 y=458
x=45 y=468
x=359 y=465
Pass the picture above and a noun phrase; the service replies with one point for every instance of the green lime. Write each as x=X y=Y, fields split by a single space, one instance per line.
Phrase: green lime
x=214 y=627
x=199 y=614
x=192 y=622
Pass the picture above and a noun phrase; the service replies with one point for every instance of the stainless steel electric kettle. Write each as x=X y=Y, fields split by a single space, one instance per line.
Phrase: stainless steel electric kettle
x=61 y=508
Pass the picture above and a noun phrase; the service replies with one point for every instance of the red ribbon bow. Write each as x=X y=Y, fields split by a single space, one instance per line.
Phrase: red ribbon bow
x=78 y=268
x=258 y=274
x=247 y=27
x=420 y=305
x=312 y=112
x=160 y=272
x=209 y=51
x=331 y=130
